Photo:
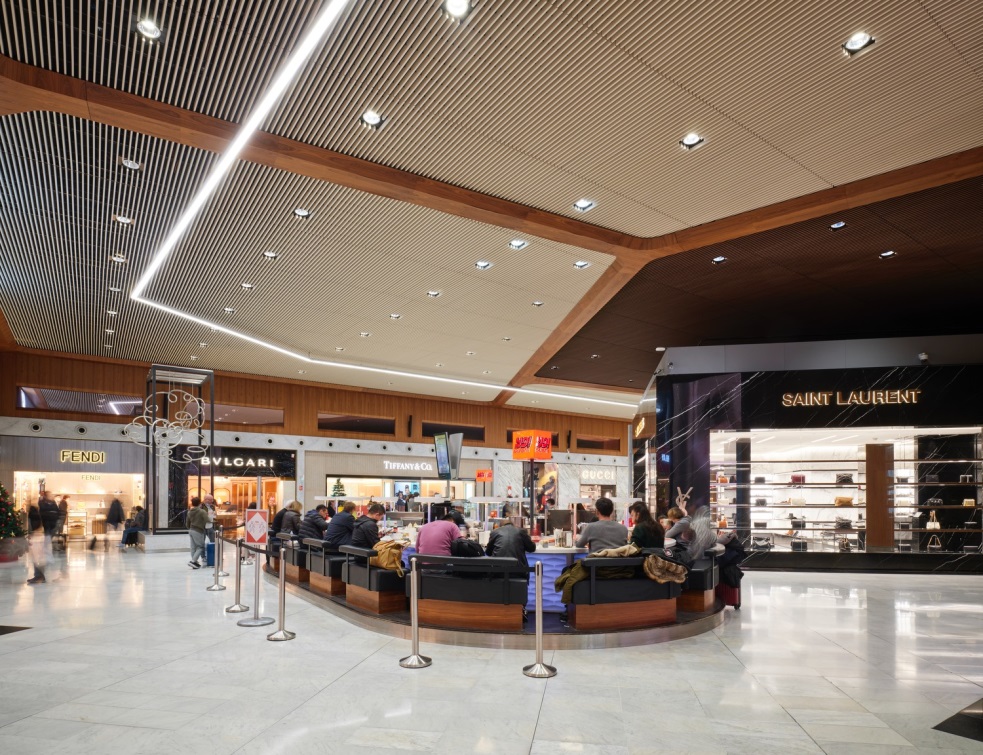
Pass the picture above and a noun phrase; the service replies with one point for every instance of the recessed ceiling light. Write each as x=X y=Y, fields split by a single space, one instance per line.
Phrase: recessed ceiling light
x=365 y=334
x=482 y=264
x=129 y=164
x=115 y=290
x=538 y=303
x=300 y=212
x=692 y=140
x=123 y=219
x=584 y=205
x=247 y=286
x=858 y=43
x=270 y=255
x=433 y=294
x=395 y=316
x=110 y=331
x=301 y=372
x=439 y=364
x=595 y=356
x=148 y=29
x=194 y=359
x=469 y=353
x=109 y=346
x=112 y=312
x=660 y=348
x=339 y=348
x=581 y=264
x=837 y=225
x=118 y=258
x=230 y=310
x=506 y=338
x=719 y=259
x=372 y=119
x=457 y=8
x=889 y=254
x=533 y=402
x=518 y=244
x=203 y=345
x=464 y=393
x=554 y=367
x=486 y=372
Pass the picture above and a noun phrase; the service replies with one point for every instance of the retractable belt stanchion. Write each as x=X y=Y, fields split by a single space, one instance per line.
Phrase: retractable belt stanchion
x=220 y=550
x=256 y=620
x=238 y=607
x=216 y=587
x=539 y=670
x=281 y=634
x=415 y=660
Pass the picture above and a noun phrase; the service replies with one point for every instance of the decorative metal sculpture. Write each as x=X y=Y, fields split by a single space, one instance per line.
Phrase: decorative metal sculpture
x=162 y=431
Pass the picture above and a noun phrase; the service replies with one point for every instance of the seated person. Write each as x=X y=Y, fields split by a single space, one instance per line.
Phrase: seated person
x=584 y=516
x=605 y=532
x=129 y=536
x=509 y=541
x=680 y=529
x=435 y=538
x=457 y=514
x=365 y=532
x=315 y=524
x=340 y=527
x=647 y=532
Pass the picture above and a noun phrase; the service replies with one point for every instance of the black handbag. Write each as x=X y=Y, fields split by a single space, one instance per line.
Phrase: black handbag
x=844 y=479
x=800 y=545
x=842 y=523
x=760 y=525
x=759 y=480
x=761 y=543
x=798 y=524
x=931 y=478
x=760 y=502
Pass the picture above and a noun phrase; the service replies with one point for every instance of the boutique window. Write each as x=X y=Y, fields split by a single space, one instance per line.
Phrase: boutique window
x=352 y=423
x=470 y=432
x=593 y=443
x=246 y=415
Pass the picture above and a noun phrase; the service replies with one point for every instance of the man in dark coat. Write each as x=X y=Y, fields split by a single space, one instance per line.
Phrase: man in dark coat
x=315 y=524
x=44 y=524
x=365 y=534
x=340 y=527
x=509 y=541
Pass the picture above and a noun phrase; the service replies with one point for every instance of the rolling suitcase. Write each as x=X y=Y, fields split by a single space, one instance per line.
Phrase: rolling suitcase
x=731 y=596
x=209 y=554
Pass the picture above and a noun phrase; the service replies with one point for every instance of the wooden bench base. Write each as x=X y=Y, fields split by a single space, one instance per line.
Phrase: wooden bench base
x=375 y=602
x=275 y=565
x=634 y=615
x=297 y=575
x=696 y=601
x=465 y=615
x=326 y=585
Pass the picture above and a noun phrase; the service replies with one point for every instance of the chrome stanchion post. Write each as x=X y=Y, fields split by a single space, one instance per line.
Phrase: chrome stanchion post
x=281 y=634
x=415 y=660
x=256 y=620
x=539 y=670
x=216 y=587
x=238 y=607
x=220 y=550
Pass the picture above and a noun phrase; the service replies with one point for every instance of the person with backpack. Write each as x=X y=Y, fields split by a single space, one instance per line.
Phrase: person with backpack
x=435 y=538
x=197 y=521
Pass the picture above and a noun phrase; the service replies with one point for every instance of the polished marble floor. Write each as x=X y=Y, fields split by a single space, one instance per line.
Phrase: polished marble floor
x=128 y=653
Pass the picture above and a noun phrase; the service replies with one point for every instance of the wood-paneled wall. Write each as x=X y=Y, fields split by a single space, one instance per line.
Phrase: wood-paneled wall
x=300 y=401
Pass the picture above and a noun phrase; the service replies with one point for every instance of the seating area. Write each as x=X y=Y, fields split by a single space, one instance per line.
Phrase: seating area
x=324 y=568
x=368 y=587
x=617 y=604
x=699 y=589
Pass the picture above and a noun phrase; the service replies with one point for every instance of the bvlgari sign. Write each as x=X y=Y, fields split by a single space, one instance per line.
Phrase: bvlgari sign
x=852 y=398
x=236 y=461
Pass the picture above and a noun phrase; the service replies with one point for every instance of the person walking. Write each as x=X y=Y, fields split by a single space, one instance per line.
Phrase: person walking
x=197 y=520
x=43 y=523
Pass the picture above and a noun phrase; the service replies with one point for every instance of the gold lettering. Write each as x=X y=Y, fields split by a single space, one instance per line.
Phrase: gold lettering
x=786 y=401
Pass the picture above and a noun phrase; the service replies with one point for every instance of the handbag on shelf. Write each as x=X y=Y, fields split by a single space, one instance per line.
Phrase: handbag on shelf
x=901 y=481
x=969 y=501
x=760 y=525
x=799 y=545
x=722 y=479
x=844 y=545
x=759 y=480
x=933 y=522
x=931 y=478
x=934 y=502
x=798 y=479
x=761 y=543
x=842 y=523
x=966 y=478
x=842 y=501
x=934 y=544
x=760 y=502
x=799 y=524
x=844 y=478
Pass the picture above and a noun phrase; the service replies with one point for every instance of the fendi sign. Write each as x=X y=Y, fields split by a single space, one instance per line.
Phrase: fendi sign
x=83 y=457
x=852 y=398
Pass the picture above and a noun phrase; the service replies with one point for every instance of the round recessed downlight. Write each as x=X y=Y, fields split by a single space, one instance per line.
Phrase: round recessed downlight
x=302 y=212
x=270 y=255
x=857 y=42
x=301 y=372
x=439 y=364
x=538 y=303
x=115 y=290
x=486 y=372
x=365 y=334
x=719 y=259
x=129 y=164
x=482 y=264
x=888 y=255
x=554 y=367
x=469 y=353
x=148 y=29
x=518 y=244
x=123 y=219
x=248 y=286
x=660 y=349
x=837 y=225
x=692 y=140
x=371 y=118
x=395 y=316
x=581 y=264
x=506 y=338
x=110 y=331
x=433 y=294
x=230 y=310
x=203 y=344
x=339 y=348
x=112 y=312
x=457 y=8
x=595 y=356
x=194 y=359
x=584 y=205
x=118 y=258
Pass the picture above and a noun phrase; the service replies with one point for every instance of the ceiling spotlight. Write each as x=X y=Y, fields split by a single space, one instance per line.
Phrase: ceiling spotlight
x=433 y=294
x=365 y=334
x=109 y=346
x=339 y=348
x=486 y=372
x=660 y=349
x=115 y=290
x=230 y=310
x=300 y=212
x=692 y=140
x=110 y=331
x=123 y=219
x=538 y=303
x=301 y=372
x=247 y=286
x=194 y=359
x=464 y=393
x=395 y=316
x=889 y=254
x=837 y=225
x=581 y=264
x=518 y=244
x=129 y=164
x=595 y=356
x=506 y=338
x=270 y=255
x=554 y=367
x=469 y=353
x=719 y=259
x=148 y=29
x=584 y=205
x=439 y=364
x=372 y=119
x=858 y=43
x=112 y=312
x=118 y=258
x=203 y=345
x=482 y=264
x=457 y=8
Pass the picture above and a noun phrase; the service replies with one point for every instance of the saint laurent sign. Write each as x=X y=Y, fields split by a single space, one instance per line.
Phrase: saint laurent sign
x=852 y=398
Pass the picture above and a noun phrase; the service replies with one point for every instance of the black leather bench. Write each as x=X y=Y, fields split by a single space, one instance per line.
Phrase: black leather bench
x=699 y=589
x=324 y=564
x=451 y=586
x=296 y=560
x=633 y=603
x=369 y=587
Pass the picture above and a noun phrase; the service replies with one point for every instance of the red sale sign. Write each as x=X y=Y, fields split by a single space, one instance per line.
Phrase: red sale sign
x=257 y=526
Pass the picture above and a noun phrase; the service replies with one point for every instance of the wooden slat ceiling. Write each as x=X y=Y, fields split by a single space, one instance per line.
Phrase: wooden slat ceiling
x=539 y=103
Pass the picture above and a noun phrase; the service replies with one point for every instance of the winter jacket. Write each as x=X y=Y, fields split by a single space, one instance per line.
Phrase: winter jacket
x=509 y=541
x=197 y=519
x=339 y=530
x=115 y=516
x=49 y=515
x=291 y=522
x=34 y=519
x=365 y=534
x=313 y=526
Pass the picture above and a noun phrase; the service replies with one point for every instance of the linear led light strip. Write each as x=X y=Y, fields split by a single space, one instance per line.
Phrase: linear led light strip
x=296 y=61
